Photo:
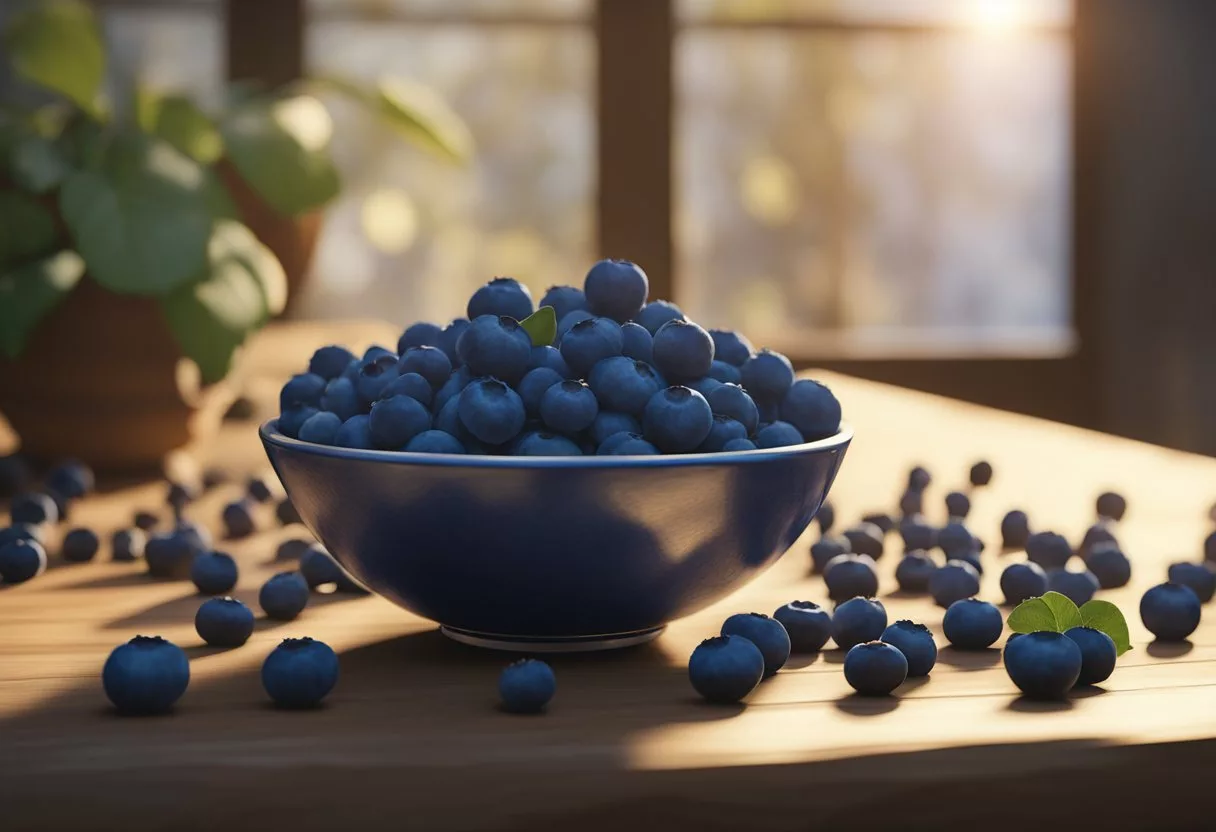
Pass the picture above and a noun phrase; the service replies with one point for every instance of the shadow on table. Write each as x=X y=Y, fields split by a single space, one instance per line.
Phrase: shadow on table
x=969 y=659
x=1169 y=649
x=183 y=608
x=1026 y=705
x=126 y=579
x=854 y=704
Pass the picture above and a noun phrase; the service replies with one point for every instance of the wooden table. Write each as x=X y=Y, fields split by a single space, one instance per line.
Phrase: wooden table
x=411 y=738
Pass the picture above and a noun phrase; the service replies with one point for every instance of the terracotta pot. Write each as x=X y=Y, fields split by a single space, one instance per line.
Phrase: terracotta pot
x=102 y=380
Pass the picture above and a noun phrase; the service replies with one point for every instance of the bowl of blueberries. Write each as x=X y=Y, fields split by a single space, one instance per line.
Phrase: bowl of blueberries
x=570 y=476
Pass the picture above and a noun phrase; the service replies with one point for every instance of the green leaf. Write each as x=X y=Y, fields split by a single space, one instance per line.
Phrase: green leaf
x=182 y=124
x=56 y=44
x=1106 y=617
x=1065 y=611
x=29 y=292
x=27 y=229
x=1053 y=613
x=37 y=163
x=541 y=325
x=281 y=149
x=142 y=220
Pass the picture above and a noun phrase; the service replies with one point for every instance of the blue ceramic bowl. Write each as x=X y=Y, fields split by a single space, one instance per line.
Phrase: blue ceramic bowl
x=555 y=552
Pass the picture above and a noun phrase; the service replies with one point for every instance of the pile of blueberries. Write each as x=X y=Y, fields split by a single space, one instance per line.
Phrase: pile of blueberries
x=621 y=377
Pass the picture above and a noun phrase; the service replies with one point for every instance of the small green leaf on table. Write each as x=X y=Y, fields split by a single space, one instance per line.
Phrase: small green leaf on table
x=1053 y=613
x=541 y=326
x=29 y=292
x=1106 y=617
x=26 y=228
x=57 y=45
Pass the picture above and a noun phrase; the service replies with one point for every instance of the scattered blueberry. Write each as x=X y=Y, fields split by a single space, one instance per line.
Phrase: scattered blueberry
x=145 y=520
x=825 y=549
x=849 y=576
x=169 y=555
x=652 y=316
x=21 y=560
x=80 y=545
x=564 y=300
x=213 y=573
x=1043 y=665
x=767 y=376
x=953 y=582
x=866 y=539
x=955 y=539
x=884 y=521
x=858 y=620
x=127 y=545
x=284 y=596
x=875 y=668
x=1049 y=550
x=1170 y=611
x=919 y=479
x=292 y=549
x=1209 y=547
x=917 y=533
x=971 y=624
x=911 y=503
x=1197 y=576
x=1098 y=654
x=300 y=672
x=33 y=508
x=637 y=343
x=318 y=568
x=223 y=622
x=981 y=473
x=808 y=625
x=147 y=675
x=766 y=633
x=1020 y=581
x=1096 y=535
x=496 y=346
x=238 y=520
x=676 y=420
x=73 y=479
x=826 y=516
x=421 y=334
x=958 y=505
x=624 y=385
x=914 y=571
x=1111 y=505
x=1110 y=566
x=526 y=686
x=285 y=512
x=812 y=408
x=589 y=342
x=916 y=642
x=616 y=289
x=1015 y=530
x=725 y=669
x=14 y=474
x=1078 y=587
x=501 y=296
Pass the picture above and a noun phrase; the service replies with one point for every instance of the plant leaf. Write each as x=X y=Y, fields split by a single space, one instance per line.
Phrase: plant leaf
x=29 y=292
x=37 y=163
x=541 y=326
x=1065 y=611
x=57 y=45
x=142 y=220
x=1053 y=613
x=182 y=124
x=1105 y=616
x=26 y=228
x=281 y=149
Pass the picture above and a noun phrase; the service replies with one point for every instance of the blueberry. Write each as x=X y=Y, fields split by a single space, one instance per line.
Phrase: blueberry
x=916 y=642
x=919 y=478
x=170 y=555
x=564 y=300
x=916 y=533
x=545 y=357
x=567 y=322
x=238 y=520
x=826 y=548
x=491 y=411
x=127 y=545
x=318 y=568
x=637 y=343
x=955 y=539
x=81 y=545
x=866 y=539
x=21 y=560
x=21 y=531
x=1096 y=535
x=1197 y=576
x=766 y=633
x=214 y=477
x=914 y=571
x=1043 y=665
x=435 y=442
x=292 y=549
x=1209 y=547
x=812 y=408
x=569 y=407
x=858 y=620
x=355 y=432
x=971 y=624
x=1015 y=530
x=412 y=385
x=725 y=373
x=826 y=516
x=376 y=352
x=451 y=388
x=590 y=341
x=147 y=675
x=683 y=350
x=213 y=573
x=291 y=420
x=1111 y=506
x=14 y=474
x=616 y=289
x=1078 y=587
x=497 y=347
x=223 y=622
x=733 y=401
x=145 y=520
x=704 y=385
x=1020 y=581
x=723 y=430
x=284 y=596
x=394 y=422
x=981 y=473
x=875 y=668
x=735 y=445
x=330 y=362
x=912 y=502
x=778 y=435
x=652 y=316
x=608 y=423
x=448 y=421
x=73 y=479
x=631 y=445
x=1098 y=654
x=526 y=686
x=677 y=420
x=731 y=347
x=767 y=376
x=725 y=669
x=33 y=508
x=612 y=441
x=768 y=412
x=299 y=673
x=300 y=390
x=285 y=512
x=958 y=505
x=432 y=364
x=193 y=534
x=501 y=296
x=321 y=428
x=972 y=558
x=1170 y=611
x=884 y=521
x=1110 y=566
x=374 y=375
x=421 y=334
x=624 y=385
x=849 y=576
x=540 y=443
x=953 y=582
x=449 y=337
x=808 y=625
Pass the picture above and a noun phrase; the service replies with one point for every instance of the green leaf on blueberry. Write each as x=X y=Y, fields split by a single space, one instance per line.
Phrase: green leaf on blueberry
x=1053 y=613
x=541 y=326
x=1107 y=618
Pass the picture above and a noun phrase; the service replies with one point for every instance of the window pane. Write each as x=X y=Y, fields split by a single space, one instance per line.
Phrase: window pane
x=173 y=48
x=470 y=8
x=411 y=237
x=882 y=192
x=986 y=14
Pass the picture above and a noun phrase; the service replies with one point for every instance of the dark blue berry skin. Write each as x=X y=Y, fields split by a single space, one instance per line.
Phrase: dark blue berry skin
x=450 y=336
x=533 y=385
x=330 y=362
x=778 y=435
x=1110 y=566
x=569 y=407
x=850 y=576
x=631 y=445
x=80 y=546
x=376 y=353
x=448 y=421
x=285 y=512
x=127 y=545
x=769 y=412
x=355 y=433
x=616 y=289
x=394 y=422
x=1199 y=577
x=589 y=342
x=637 y=343
x=497 y=347
x=526 y=686
x=547 y=357
x=321 y=428
x=624 y=385
x=318 y=568
x=412 y=385
x=491 y=411
x=1078 y=587
x=733 y=401
x=809 y=625
x=955 y=539
x=290 y=421
x=145 y=520
x=866 y=539
x=608 y=423
x=1170 y=611
x=451 y=388
x=958 y=505
x=704 y=385
x=1209 y=548
x=1015 y=530
x=916 y=642
x=1020 y=581
x=826 y=548
x=431 y=363
x=435 y=442
x=912 y=502
x=302 y=389
x=238 y=520
x=731 y=347
x=20 y=531
x=914 y=571
x=683 y=351
x=564 y=300
x=725 y=373
x=858 y=620
x=213 y=573
x=341 y=398
x=875 y=668
x=567 y=322
x=916 y=533
x=33 y=508
x=539 y=443
x=767 y=376
x=826 y=517
x=652 y=316
x=971 y=624
x=953 y=582
x=14 y=474
x=299 y=673
x=284 y=596
x=766 y=633
x=676 y=420
x=1096 y=535
x=223 y=622
x=72 y=479
x=919 y=478
x=292 y=549
x=1111 y=506
x=147 y=675
x=1049 y=550
x=195 y=535
x=812 y=408
x=884 y=521
x=981 y=473
x=1098 y=654
x=1043 y=665
x=725 y=669
x=374 y=375
x=421 y=334
x=723 y=430
x=21 y=560
x=170 y=555
x=972 y=558
x=501 y=296
x=736 y=445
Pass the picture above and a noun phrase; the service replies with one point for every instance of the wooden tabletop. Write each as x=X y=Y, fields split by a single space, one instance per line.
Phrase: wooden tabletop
x=411 y=738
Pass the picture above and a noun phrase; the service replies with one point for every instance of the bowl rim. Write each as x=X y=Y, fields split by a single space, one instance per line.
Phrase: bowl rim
x=269 y=433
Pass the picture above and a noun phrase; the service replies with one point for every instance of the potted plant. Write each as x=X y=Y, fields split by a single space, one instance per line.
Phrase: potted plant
x=139 y=247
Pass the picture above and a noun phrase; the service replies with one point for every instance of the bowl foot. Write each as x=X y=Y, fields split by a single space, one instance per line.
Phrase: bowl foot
x=539 y=644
